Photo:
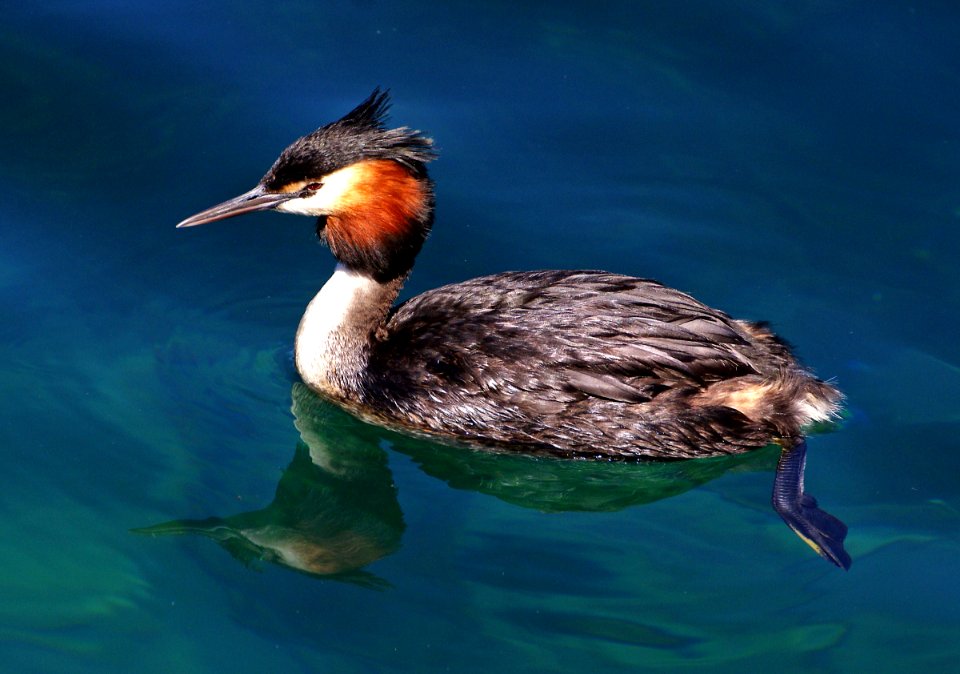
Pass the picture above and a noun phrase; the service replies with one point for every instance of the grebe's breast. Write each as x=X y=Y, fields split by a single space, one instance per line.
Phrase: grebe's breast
x=579 y=360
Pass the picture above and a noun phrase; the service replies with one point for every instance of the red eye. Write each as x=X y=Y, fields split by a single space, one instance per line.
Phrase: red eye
x=313 y=187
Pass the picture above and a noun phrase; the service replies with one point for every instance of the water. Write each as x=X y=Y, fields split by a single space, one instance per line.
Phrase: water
x=796 y=162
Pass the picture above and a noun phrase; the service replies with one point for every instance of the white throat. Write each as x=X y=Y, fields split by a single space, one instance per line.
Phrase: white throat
x=332 y=337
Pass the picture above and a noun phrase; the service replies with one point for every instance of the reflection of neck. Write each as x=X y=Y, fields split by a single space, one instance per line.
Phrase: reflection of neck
x=338 y=328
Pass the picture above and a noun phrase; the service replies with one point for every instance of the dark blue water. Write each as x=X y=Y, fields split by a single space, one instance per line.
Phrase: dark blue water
x=792 y=161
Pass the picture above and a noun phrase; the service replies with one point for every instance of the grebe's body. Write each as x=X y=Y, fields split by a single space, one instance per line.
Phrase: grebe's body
x=569 y=363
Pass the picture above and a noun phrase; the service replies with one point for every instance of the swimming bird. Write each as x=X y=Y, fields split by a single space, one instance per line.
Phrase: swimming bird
x=574 y=364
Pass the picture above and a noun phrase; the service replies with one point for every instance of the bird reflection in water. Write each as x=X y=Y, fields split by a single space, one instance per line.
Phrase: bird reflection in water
x=336 y=509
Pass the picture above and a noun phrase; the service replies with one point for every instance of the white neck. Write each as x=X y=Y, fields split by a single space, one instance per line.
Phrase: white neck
x=336 y=330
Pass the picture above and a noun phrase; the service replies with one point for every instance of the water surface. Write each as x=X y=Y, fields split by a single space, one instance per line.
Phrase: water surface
x=793 y=162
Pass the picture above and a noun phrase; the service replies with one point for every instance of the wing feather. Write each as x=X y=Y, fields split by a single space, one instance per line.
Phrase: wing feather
x=605 y=335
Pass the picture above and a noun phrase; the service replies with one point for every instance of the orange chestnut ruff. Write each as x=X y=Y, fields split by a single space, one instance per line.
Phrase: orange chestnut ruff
x=383 y=203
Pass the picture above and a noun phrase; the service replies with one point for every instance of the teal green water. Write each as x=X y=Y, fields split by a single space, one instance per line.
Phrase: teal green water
x=793 y=162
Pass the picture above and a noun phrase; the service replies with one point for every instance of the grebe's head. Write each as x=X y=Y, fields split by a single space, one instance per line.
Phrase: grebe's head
x=366 y=184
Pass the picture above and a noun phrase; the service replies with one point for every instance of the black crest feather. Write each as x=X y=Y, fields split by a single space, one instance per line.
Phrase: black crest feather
x=372 y=112
x=360 y=134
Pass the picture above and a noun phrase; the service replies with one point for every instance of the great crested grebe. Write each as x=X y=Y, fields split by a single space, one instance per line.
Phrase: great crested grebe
x=578 y=364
